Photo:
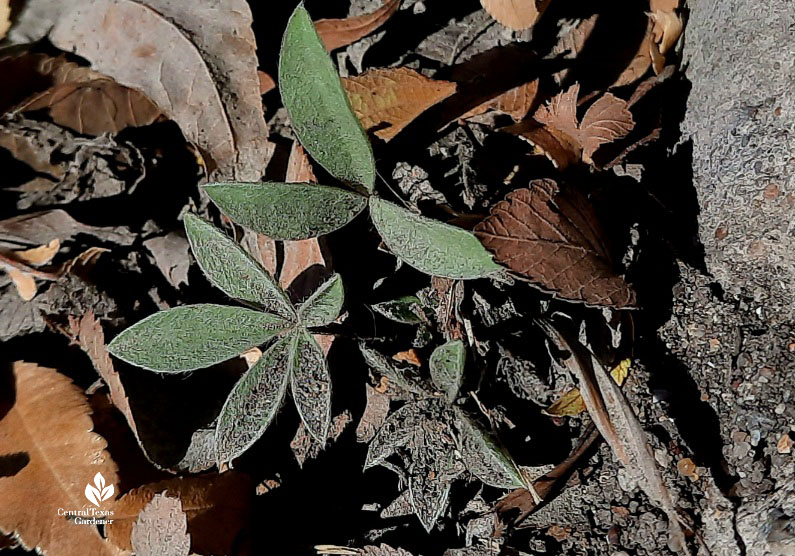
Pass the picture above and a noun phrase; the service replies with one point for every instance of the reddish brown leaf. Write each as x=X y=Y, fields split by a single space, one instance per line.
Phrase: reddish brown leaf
x=516 y=102
x=266 y=82
x=374 y=415
x=49 y=428
x=561 y=149
x=336 y=33
x=516 y=14
x=555 y=241
x=387 y=100
x=217 y=506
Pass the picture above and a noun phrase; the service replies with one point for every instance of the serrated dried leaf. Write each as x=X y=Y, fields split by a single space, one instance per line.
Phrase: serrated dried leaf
x=287 y=210
x=161 y=529
x=311 y=384
x=515 y=14
x=194 y=336
x=234 y=271
x=375 y=412
x=386 y=100
x=198 y=65
x=430 y=246
x=217 y=506
x=396 y=432
x=486 y=459
x=336 y=33
x=556 y=242
x=319 y=110
x=324 y=305
x=48 y=418
x=254 y=401
x=447 y=367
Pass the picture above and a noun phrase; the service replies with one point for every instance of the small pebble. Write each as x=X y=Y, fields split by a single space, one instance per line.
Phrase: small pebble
x=780 y=409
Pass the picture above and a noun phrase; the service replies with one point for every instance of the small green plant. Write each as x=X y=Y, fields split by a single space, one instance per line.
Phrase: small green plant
x=433 y=439
x=191 y=337
x=328 y=129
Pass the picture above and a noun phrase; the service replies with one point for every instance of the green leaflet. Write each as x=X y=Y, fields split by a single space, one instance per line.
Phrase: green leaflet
x=395 y=433
x=484 y=458
x=324 y=305
x=287 y=210
x=319 y=109
x=194 y=336
x=429 y=246
x=254 y=401
x=234 y=271
x=403 y=309
x=387 y=367
x=311 y=385
x=447 y=367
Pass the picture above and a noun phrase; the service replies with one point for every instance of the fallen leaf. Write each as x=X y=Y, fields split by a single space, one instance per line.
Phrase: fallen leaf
x=24 y=283
x=217 y=507
x=39 y=255
x=687 y=468
x=516 y=102
x=266 y=82
x=37 y=228
x=666 y=28
x=515 y=14
x=555 y=241
x=336 y=33
x=5 y=17
x=161 y=529
x=171 y=254
x=571 y=44
x=784 y=444
x=375 y=412
x=409 y=356
x=606 y=120
x=387 y=100
x=197 y=65
x=49 y=420
x=305 y=446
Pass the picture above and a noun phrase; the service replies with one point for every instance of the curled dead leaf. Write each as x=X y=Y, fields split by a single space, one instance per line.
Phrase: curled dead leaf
x=336 y=33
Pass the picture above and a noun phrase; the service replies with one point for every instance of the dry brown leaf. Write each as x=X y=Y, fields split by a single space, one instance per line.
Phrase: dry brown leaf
x=197 y=65
x=336 y=33
x=299 y=168
x=516 y=102
x=374 y=415
x=687 y=468
x=387 y=100
x=571 y=44
x=5 y=17
x=558 y=147
x=50 y=422
x=409 y=356
x=39 y=255
x=161 y=529
x=24 y=283
x=217 y=506
x=515 y=14
x=266 y=82
x=555 y=241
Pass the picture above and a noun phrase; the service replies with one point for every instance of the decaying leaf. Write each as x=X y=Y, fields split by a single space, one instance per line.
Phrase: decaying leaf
x=197 y=65
x=606 y=120
x=217 y=507
x=554 y=240
x=516 y=14
x=37 y=228
x=666 y=28
x=50 y=422
x=161 y=529
x=571 y=404
x=571 y=44
x=5 y=17
x=516 y=102
x=336 y=33
x=387 y=100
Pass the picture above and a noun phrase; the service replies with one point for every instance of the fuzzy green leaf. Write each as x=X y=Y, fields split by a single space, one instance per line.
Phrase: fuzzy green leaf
x=485 y=459
x=324 y=305
x=254 y=401
x=311 y=385
x=396 y=432
x=194 y=336
x=447 y=367
x=385 y=366
x=430 y=246
x=404 y=309
x=234 y=271
x=320 y=112
x=287 y=210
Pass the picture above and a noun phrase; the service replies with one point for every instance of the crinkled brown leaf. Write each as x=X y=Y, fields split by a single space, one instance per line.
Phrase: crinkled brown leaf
x=516 y=102
x=516 y=14
x=161 y=529
x=48 y=420
x=387 y=100
x=555 y=241
x=336 y=33
x=606 y=120
x=217 y=506
x=198 y=65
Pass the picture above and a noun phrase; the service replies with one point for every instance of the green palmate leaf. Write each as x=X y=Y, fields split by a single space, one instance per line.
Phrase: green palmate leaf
x=485 y=459
x=287 y=210
x=432 y=247
x=403 y=309
x=396 y=432
x=254 y=401
x=319 y=109
x=447 y=367
x=234 y=271
x=311 y=385
x=324 y=305
x=194 y=336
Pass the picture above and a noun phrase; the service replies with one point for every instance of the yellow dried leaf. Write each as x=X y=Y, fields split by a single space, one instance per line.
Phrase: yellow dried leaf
x=515 y=14
x=387 y=100
x=571 y=403
x=24 y=283
x=39 y=255
x=621 y=371
x=48 y=430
